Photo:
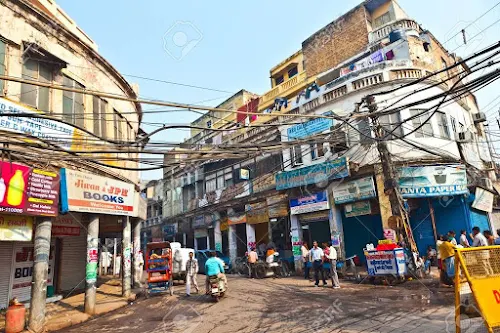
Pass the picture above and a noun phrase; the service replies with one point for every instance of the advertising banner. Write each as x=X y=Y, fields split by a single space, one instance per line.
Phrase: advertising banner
x=28 y=191
x=310 y=203
x=313 y=174
x=354 y=190
x=88 y=193
x=16 y=228
x=484 y=200
x=433 y=181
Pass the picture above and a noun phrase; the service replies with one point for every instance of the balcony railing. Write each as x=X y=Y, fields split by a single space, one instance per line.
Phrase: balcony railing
x=282 y=90
x=384 y=31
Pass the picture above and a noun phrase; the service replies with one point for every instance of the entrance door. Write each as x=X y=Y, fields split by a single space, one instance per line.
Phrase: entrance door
x=211 y=238
x=320 y=232
x=225 y=242
x=262 y=233
x=202 y=243
x=241 y=239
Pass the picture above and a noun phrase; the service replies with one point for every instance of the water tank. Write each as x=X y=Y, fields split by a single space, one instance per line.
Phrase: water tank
x=396 y=35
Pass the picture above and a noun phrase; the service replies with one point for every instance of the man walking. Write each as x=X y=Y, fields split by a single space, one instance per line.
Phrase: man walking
x=332 y=258
x=191 y=271
x=316 y=256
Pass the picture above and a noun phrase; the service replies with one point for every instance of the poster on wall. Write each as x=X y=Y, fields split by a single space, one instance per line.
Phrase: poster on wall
x=28 y=191
x=483 y=200
x=89 y=193
x=16 y=228
x=354 y=190
x=22 y=271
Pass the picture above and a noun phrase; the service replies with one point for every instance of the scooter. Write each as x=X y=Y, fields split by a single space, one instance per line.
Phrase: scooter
x=217 y=287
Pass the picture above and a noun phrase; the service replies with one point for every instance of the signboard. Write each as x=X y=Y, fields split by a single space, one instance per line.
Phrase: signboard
x=169 y=230
x=257 y=213
x=313 y=174
x=199 y=222
x=309 y=128
x=386 y=262
x=61 y=134
x=66 y=225
x=88 y=193
x=16 y=228
x=277 y=206
x=235 y=191
x=244 y=174
x=483 y=200
x=28 y=191
x=310 y=203
x=22 y=271
x=358 y=209
x=199 y=233
x=433 y=181
x=313 y=92
x=314 y=217
x=354 y=190
x=263 y=183
x=236 y=219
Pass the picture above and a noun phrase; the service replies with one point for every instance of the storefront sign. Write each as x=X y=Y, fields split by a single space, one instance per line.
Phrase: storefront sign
x=386 y=262
x=257 y=213
x=16 y=228
x=22 y=271
x=314 y=217
x=224 y=224
x=313 y=174
x=211 y=218
x=199 y=222
x=310 y=203
x=88 y=193
x=199 y=233
x=310 y=127
x=28 y=191
x=66 y=225
x=277 y=206
x=354 y=190
x=237 y=219
x=45 y=129
x=91 y=268
x=484 y=200
x=169 y=230
x=358 y=209
x=433 y=181
x=263 y=183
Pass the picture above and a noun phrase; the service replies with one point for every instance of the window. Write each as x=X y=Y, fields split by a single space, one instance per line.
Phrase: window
x=279 y=80
x=211 y=183
x=424 y=130
x=383 y=19
x=3 y=55
x=292 y=72
x=296 y=155
x=99 y=108
x=118 y=125
x=442 y=121
x=37 y=97
x=73 y=106
x=390 y=123
x=220 y=182
x=453 y=124
x=427 y=47
x=317 y=150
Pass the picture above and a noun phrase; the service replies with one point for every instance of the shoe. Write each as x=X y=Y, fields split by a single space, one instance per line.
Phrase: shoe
x=187 y=295
x=325 y=285
x=316 y=286
x=336 y=287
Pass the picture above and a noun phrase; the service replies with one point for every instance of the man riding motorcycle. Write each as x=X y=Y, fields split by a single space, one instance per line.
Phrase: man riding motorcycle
x=214 y=266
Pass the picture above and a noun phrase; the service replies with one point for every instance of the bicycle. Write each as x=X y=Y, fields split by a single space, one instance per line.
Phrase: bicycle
x=241 y=267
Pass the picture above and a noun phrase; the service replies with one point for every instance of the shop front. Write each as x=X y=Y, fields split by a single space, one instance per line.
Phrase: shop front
x=313 y=214
x=277 y=208
x=200 y=233
x=238 y=235
x=169 y=232
x=258 y=221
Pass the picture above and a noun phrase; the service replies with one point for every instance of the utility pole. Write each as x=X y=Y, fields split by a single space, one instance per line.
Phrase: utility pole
x=92 y=264
x=391 y=181
x=126 y=257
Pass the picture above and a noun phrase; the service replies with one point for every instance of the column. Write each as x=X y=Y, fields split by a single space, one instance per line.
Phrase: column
x=126 y=258
x=184 y=239
x=92 y=264
x=233 y=243
x=217 y=236
x=383 y=199
x=137 y=247
x=296 y=235
x=40 y=273
x=114 y=257
x=250 y=236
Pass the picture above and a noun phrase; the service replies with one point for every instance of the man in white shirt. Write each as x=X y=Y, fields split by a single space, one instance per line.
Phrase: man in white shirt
x=478 y=237
x=305 y=259
x=463 y=239
x=332 y=258
x=316 y=256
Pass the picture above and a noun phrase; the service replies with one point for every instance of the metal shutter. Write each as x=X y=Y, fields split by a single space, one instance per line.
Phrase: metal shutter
x=6 y=265
x=73 y=262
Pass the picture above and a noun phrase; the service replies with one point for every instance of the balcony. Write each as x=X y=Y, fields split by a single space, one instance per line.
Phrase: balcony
x=283 y=90
x=384 y=31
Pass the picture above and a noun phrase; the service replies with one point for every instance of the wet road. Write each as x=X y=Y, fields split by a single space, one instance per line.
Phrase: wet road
x=287 y=305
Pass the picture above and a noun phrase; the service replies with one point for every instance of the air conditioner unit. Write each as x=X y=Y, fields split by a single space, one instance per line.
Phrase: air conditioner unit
x=465 y=136
x=486 y=183
x=479 y=117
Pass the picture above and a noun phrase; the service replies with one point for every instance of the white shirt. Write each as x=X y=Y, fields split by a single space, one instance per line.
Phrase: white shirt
x=454 y=241
x=305 y=251
x=464 y=241
x=333 y=253
x=480 y=240
x=316 y=254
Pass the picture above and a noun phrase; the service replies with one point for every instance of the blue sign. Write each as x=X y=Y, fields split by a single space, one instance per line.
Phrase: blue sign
x=310 y=127
x=311 y=203
x=169 y=230
x=313 y=174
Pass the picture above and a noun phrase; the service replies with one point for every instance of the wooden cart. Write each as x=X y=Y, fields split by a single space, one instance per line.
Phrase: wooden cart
x=159 y=268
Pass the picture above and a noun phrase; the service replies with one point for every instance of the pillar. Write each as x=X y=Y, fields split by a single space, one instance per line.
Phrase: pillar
x=250 y=236
x=137 y=248
x=126 y=258
x=383 y=199
x=184 y=239
x=43 y=232
x=217 y=236
x=115 y=269
x=233 y=243
x=92 y=264
x=296 y=236
x=335 y=219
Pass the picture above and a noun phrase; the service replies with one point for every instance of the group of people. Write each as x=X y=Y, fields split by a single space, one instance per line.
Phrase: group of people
x=213 y=266
x=317 y=257
x=269 y=254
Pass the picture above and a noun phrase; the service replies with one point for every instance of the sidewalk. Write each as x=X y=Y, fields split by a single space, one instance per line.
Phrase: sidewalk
x=70 y=311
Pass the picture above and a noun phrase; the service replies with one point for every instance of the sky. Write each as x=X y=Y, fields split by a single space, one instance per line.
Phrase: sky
x=232 y=45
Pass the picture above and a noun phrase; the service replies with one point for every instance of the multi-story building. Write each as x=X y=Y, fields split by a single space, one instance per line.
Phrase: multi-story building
x=152 y=230
x=328 y=185
x=53 y=131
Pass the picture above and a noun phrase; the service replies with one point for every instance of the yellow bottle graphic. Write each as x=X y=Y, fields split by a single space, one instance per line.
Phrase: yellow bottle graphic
x=16 y=189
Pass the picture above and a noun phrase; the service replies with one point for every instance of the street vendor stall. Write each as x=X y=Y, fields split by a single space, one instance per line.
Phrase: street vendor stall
x=387 y=260
x=159 y=268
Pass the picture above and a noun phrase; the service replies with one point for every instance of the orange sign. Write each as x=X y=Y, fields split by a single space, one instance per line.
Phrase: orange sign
x=237 y=219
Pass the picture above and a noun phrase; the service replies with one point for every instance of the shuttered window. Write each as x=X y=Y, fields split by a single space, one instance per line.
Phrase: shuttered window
x=73 y=104
x=37 y=97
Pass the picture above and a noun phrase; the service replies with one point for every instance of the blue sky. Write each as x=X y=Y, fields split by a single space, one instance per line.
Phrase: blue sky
x=238 y=42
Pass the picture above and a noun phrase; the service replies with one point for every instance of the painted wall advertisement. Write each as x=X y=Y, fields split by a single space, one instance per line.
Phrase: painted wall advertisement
x=386 y=262
x=313 y=174
x=22 y=271
x=483 y=200
x=433 y=181
x=16 y=228
x=28 y=191
x=310 y=203
x=354 y=190
x=84 y=192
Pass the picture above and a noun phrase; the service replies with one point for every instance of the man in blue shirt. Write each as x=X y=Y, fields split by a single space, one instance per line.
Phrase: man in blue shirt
x=214 y=266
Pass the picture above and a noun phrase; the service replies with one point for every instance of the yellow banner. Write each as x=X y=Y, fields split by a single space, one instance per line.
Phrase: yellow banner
x=16 y=228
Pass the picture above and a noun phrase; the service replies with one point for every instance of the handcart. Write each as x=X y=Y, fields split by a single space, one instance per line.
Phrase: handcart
x=387 y=263
x=159 y=268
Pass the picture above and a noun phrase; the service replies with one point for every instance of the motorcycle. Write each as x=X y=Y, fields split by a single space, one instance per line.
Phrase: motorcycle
x=217 y=287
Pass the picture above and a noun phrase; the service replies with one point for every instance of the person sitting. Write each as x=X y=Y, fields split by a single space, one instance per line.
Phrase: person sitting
x=214 y=267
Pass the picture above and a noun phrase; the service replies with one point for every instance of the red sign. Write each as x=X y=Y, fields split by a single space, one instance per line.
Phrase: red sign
x=28 y=191
x=66 y=225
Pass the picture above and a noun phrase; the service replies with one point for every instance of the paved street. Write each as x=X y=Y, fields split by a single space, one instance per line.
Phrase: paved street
x=287 y=305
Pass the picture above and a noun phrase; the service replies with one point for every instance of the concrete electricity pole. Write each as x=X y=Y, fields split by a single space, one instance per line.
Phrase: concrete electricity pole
x=126 y=258
x=137 y=247
x=92 y=264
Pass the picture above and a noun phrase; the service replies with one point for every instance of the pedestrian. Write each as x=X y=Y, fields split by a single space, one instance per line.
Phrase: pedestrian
x=489 y=237
x=139 y=261
x=451 y=237
x=316 y=257
x=332 y=259
x=252 y=261
x=463 y=239
x=439 y=242
x=304 y=249
x=478 y=238
x=191 y=271
x=447 y=250
x=497 y=240
x=482 y=256
x=429 y=259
